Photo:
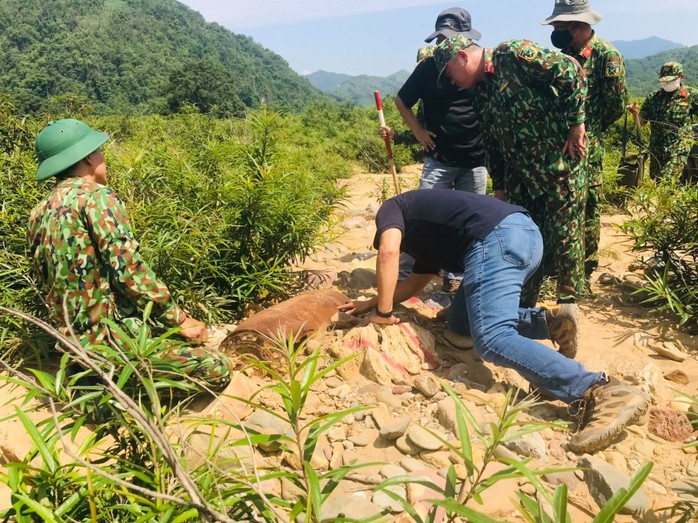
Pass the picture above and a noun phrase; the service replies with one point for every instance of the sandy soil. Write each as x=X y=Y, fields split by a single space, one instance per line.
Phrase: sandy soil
x=616 y=333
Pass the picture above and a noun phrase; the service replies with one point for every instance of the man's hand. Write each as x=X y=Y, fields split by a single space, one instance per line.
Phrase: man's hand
x=425 y=137
x=633 y=108
x=193 y=330
x=392 y=320
x=357 y=307
x=576 y=144
x=386 y=131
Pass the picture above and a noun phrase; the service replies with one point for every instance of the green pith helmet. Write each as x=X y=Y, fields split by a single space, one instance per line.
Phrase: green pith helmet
x=64 y=143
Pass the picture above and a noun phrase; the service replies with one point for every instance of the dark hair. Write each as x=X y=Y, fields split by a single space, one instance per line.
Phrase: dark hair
x=67 y=173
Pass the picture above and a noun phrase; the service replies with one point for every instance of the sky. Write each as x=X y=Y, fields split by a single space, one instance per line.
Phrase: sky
x=380 y=37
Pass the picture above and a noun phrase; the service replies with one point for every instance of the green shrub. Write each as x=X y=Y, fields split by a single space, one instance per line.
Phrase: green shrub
x=222 y=208
x=664 y=221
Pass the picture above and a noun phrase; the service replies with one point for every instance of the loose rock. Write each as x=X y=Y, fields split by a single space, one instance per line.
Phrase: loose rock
x=669 y=350
x=384 y=501
x=427 y=385
x=395 y=428
x=423 y=438
x=604 y=480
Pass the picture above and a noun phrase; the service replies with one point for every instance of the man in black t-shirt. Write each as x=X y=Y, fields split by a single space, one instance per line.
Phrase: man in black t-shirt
x=497 y=247
x=449 y=130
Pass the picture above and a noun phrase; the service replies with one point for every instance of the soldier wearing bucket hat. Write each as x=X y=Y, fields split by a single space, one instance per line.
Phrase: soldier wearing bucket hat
x=531 y=104
x=83 y=249
x=669 y=112
x=606 y=99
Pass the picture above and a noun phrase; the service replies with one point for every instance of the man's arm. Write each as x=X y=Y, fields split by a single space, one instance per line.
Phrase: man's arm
x=613 y=90
x=564 y=74
x=423 y=136
x=390 y=291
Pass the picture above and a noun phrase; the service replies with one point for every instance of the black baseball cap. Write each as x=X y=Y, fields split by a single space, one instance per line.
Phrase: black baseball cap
x=453 y=21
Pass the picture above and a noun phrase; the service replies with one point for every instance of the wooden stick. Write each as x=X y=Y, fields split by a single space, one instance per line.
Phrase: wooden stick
x=388 y=147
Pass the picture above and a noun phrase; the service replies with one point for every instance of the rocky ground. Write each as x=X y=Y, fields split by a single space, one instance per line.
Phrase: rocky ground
x=409 y=422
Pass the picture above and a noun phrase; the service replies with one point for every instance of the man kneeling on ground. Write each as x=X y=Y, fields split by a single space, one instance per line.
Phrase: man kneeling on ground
x=497 y=247
x=83 y=248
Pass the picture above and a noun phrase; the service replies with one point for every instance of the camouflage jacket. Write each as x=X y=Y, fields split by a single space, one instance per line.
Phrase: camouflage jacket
x=529 y=98
x=606 y=91
x=669 y=115
x=82 y=245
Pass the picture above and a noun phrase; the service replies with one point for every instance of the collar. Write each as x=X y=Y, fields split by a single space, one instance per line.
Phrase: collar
x=587 y=49
x=76 y=181
x=489 y=65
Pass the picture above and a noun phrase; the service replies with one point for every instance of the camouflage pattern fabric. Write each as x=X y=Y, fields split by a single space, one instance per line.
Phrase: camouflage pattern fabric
x=83 y=248
x=425 y=52
x=528 y=100
x=605 y=103
x=671 y=138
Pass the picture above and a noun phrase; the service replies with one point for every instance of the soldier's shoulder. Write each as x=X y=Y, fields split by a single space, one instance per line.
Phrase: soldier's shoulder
x=605 y=47
x=523 y=49
x=98 y=192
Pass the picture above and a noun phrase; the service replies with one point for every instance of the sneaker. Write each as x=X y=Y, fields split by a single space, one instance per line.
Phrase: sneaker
x=606 y=409
x=450 y=285
x=459 y=341
x=562 y=320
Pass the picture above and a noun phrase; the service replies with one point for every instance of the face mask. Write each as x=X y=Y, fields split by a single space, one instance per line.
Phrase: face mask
x=672 y=86
x=561 y=39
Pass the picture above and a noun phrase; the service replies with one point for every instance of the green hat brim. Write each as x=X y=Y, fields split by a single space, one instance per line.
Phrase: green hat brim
x=72 y=155
x=669 y=78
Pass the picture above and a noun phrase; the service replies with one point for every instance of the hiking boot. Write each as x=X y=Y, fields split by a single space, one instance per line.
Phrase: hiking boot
x=606 y=409
x=450 y=285
x=562 y=320
x=459 y=341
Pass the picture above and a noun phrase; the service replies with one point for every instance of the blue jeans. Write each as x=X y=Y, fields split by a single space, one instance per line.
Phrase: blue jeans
x=487 y=307
x=436 y=175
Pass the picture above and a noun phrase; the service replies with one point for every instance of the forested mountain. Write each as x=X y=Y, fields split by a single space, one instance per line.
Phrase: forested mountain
x=136 y=56
x=358 y=89
x=631 y=49
x=643 y=74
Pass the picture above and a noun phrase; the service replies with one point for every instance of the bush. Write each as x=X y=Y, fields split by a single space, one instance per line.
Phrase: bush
x=664 y=221
x=222 y=208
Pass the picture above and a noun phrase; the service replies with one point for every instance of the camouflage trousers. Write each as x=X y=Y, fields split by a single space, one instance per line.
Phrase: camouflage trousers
x=208 y=368
x=592 y=196
x=668 y=163
x=561 y=223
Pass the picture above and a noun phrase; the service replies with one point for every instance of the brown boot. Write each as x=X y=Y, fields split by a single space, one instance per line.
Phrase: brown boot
x=562 y=320
x=606 y=409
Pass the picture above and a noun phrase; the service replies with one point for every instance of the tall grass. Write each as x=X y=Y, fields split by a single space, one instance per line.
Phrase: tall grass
x=222 y=208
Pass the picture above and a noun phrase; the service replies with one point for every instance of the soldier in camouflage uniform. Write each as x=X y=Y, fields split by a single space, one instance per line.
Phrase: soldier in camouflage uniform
x=605 y=103
x=669 y=112
x=531 y=102
x=83 y=248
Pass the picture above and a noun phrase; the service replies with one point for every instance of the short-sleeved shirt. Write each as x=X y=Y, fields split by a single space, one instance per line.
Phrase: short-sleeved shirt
x=449 y=113
x=83 y=248
x=438 y=226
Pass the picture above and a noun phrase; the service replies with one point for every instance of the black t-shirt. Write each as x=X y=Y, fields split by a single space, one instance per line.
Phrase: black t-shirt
x=448 y=112
x=438 y=225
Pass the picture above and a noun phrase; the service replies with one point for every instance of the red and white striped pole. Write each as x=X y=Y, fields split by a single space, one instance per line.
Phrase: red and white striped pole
x=388 y=147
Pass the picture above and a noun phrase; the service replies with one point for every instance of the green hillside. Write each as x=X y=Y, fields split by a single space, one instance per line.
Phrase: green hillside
x=358 y=89
x=643 y=73
x=136 y=56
